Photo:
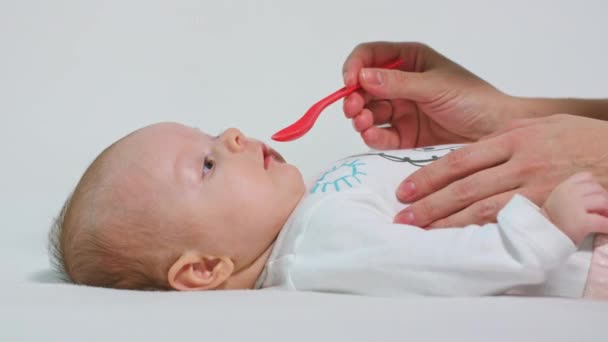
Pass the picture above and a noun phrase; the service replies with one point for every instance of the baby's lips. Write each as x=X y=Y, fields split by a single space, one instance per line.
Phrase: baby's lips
x=267 y=150
x=277 y=155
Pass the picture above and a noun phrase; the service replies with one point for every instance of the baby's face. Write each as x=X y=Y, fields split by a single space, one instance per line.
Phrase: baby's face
x=233 y=193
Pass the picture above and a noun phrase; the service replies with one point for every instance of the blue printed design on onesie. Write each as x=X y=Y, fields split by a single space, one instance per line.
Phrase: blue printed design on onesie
x=340 y=176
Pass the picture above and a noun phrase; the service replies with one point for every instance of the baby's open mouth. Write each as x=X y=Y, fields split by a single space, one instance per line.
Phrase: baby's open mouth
x=269 y=155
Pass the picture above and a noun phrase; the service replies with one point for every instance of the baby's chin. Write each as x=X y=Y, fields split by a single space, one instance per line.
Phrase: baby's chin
x=300 y=184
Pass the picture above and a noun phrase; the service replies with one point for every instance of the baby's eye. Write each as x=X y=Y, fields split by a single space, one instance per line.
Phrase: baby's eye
x=208 y=165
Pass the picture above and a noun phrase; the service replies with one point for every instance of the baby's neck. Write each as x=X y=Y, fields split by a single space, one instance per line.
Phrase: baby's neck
x=247 y=277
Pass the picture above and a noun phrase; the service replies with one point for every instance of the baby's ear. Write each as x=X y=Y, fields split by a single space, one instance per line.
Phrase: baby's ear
x=193 y=271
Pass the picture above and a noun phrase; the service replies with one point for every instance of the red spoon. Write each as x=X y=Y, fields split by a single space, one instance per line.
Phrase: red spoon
x=305 y=123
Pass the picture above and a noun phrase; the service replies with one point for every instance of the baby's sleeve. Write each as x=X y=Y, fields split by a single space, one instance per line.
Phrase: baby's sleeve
x=354 y=248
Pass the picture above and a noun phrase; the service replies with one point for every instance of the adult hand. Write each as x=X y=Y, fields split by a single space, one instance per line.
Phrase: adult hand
x=430 y=100
x=529 y=157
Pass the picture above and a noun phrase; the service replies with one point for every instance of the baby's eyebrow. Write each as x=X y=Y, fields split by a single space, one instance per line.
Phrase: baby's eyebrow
x=198 y=129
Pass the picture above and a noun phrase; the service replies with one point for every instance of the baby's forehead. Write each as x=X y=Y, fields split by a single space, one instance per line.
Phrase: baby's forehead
x=159 y=137
x=165 y=130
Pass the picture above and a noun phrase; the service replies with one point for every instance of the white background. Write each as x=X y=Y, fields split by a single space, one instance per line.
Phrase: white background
x=77 y=75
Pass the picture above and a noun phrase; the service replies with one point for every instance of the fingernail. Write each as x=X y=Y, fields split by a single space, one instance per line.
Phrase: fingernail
x=372 y=77
x=405 y=217
x=406 y=191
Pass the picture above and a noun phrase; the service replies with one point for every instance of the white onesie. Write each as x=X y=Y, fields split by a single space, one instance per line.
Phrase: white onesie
x=341 y=238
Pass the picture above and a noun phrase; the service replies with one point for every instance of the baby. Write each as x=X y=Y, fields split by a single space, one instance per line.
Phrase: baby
x=170 y=207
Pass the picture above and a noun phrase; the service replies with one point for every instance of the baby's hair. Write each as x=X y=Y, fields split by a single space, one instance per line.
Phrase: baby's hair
x=54 y=245
x=99 y=239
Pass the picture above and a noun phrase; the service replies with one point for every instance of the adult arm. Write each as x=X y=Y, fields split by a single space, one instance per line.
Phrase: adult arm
x=524 y=107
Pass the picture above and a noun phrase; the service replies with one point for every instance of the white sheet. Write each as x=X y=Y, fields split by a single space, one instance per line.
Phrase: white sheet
x=58 y=312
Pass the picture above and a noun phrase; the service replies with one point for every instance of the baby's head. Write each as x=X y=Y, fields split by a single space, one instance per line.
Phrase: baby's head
x=170 y=207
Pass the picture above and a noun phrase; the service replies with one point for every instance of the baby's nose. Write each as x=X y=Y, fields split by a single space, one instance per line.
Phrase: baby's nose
x=234 y=139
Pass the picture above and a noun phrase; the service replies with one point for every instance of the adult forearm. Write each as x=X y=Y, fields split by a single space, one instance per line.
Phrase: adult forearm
x=525 y=107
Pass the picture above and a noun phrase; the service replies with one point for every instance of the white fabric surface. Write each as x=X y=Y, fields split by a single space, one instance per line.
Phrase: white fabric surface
x=53 y=312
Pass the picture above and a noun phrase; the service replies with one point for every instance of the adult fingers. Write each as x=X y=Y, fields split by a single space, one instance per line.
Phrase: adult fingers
x=387 y=111
x=363 y=121
x=481 y=212
x=369 y=55
x=381 y=138
x=401 y=134
x=461 y=194
x=397 y=84
x=382 y=109
x=455 y=165
x=384 y=112
x=353 y=104
x=416 y=57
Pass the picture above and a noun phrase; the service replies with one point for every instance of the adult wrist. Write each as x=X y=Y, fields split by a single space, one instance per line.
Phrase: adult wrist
x=529 y=107
x=510 y=108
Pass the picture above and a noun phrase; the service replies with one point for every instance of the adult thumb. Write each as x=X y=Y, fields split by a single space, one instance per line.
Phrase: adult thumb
x=397 y=84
